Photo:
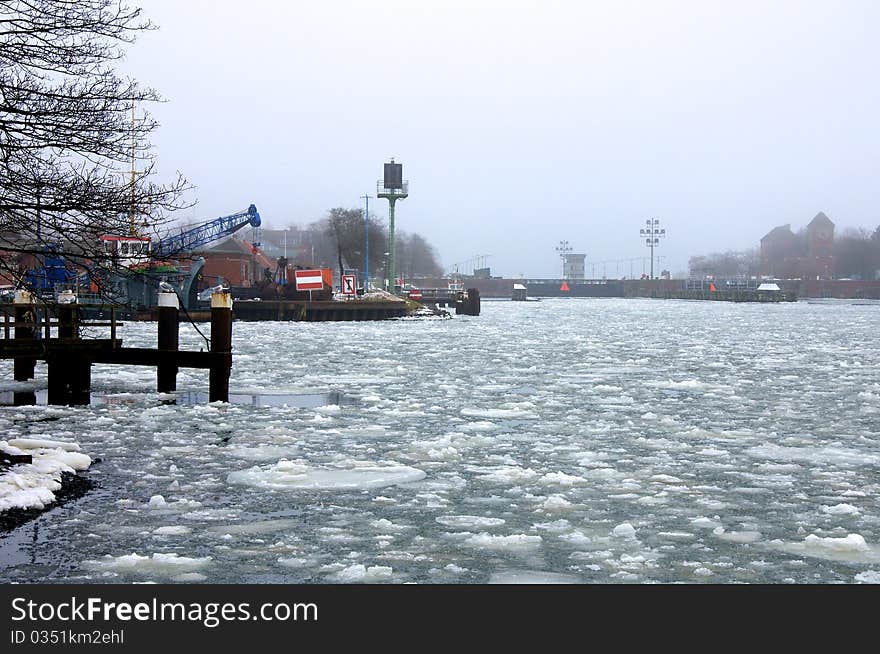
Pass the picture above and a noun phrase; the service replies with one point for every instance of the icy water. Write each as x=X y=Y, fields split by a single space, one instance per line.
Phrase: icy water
x=565 y=440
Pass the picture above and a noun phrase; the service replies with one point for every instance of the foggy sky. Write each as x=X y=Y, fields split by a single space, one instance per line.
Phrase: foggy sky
x=520 y=124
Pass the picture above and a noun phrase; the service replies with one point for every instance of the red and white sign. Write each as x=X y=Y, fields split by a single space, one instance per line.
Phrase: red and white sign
x=415 y=294
x=308 y=280
x=349 y=285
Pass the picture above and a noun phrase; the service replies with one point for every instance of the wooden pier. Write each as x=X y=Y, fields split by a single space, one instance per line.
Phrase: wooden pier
x=28 y=338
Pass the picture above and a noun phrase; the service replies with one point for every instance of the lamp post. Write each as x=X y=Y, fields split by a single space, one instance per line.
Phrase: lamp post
x=652 y=233
x=563 y=249
x=367 y=243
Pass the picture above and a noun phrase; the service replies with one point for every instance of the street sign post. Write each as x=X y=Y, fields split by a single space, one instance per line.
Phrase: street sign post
x=308 y=280
x=349 y=285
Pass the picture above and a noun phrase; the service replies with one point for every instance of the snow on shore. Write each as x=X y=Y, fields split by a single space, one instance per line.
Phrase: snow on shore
x=33 y=485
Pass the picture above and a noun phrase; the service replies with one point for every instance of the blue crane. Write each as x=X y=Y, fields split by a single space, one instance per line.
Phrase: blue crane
x=205 y=233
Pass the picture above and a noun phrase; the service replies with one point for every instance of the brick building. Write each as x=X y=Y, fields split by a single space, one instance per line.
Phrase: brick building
x=807 y=255
x=235 y=262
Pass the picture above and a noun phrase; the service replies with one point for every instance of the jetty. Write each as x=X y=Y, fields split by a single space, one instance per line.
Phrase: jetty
x=51 y=333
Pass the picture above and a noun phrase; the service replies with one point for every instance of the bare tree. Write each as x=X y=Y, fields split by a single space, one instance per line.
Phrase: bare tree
x=68 y=138
x=345 y=228
x=417 y=257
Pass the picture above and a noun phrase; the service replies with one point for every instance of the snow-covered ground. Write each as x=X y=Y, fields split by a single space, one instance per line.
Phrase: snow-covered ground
x=33 y=485
x=559 y=441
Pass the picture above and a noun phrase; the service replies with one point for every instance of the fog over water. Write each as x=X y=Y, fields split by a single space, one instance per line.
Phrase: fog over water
x=563 y=440
x=523 y=123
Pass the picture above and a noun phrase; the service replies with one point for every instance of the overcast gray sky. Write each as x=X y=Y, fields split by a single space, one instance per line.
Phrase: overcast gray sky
x=521 y=124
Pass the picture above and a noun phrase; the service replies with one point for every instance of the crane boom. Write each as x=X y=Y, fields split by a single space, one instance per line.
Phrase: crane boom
x=190 y=239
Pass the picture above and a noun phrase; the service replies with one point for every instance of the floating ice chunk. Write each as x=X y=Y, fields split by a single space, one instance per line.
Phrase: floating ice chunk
x=849 y=543
x=157 y=500
x=157 y=564
x=555 y=527
x=686 y=385
x=666 y=479
x=705 y=523
x=815 y=455
x=737 y=536
x=851 y=548
x=469 y=522
x=868 y=577
x=576 y=538
x=624 y=530
x=510 y=475
x=840 y=509
x=556 y=504
x=562 y=479
x=516 y=413
x=386 y=525
x=329 y=409
x=514 y=542
x=257 y=527
x=359 y=573
x=36 y=444
x=172 y=530
x=532 y=577
x=288 y=475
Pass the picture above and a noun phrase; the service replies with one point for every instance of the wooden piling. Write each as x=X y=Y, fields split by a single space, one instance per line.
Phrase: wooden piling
x=25 y=328
x=67 y=321
x=470 y=304
x=221 y=344
x=169 y=340
x=58 y=386
x=70 y=374
x=79 y=381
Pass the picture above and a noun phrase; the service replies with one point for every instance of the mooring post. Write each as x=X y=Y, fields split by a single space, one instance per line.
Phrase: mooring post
x=70 y=374
x=221 y=344
x=67 y=320
x=58 y=385
x=79 y=381
x=25 y=328
x=169 y=341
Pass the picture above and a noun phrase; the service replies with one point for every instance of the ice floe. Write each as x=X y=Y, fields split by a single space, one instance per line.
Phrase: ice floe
x=290 y=475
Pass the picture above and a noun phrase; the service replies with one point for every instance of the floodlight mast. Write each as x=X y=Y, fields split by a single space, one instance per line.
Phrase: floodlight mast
x=652 y=233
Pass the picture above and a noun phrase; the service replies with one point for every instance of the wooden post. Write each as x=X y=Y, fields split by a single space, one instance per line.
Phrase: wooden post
x=58 y=385
x=169 y=341
x=221 y=343
x=70 y=375
x=67 y=321
x=79 y=381
x=25 y=328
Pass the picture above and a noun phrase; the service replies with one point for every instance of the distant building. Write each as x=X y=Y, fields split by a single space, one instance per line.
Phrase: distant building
x=819 y=261
x=235 y=262
x=573 y=266
x=780 y=252
x=807 y=255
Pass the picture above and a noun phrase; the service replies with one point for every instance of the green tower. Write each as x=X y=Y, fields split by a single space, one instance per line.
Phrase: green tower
x=394 y=188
